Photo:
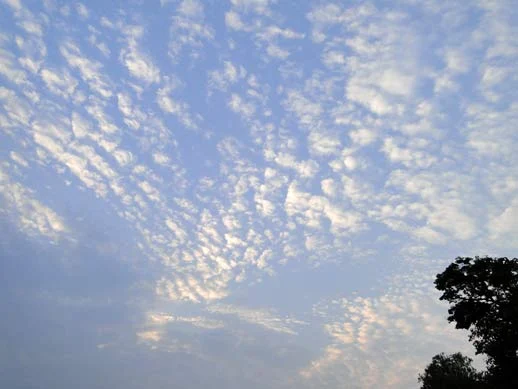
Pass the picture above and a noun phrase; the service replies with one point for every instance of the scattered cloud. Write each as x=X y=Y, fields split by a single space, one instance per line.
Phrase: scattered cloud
x=30 y=215
x=189 y=32
x=264 y=155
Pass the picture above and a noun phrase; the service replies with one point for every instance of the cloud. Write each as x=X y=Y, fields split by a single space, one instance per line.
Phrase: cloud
x=133 y=115
x=406 y=156
x=161 y=319
x=255 y=18
x=175 y=106
x=503 y=225
x=17 y=109
x=18 y=159
x=238 y=105
x=105 y=123
x=304 y=168
x=188 y=30
x=261 y=318
x=9 y=68
x=123 y=157
x=278 y=153
x=449 y=212
x=230 y=74
x=371 y=336
x=257 y=6
x=139 y=64
x=489 y=132
x=62 y=83
x=31 y=216
x=233 y=21
x=89 y=70
x=161 y=158
x=82 y=11
x=153 y=336
x=307 y=112
x=191 y=289
x=323 y=144
x=14 y=4
x=310 y=211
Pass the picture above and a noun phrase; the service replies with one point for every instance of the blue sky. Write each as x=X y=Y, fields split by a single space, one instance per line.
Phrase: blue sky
x=252 y=193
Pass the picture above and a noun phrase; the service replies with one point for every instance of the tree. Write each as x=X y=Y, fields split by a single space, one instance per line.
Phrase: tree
x=451 y=372
x=483 y=297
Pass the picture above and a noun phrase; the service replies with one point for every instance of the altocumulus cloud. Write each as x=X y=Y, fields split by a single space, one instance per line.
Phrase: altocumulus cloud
x=248 y=193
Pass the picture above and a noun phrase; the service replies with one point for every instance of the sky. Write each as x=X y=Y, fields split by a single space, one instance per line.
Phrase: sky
x=247 y=193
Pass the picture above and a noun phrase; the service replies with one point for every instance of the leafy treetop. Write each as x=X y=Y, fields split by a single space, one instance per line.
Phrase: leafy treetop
x=483 y=297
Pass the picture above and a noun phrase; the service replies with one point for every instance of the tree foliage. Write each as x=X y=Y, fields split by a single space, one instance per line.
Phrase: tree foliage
x=483 y=297
x=452 y=371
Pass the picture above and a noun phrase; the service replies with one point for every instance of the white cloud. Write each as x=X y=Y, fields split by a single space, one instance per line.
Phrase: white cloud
x=16 y=108
x=224 y=78
x=105 y=123
x=503 y=226
x=82 y=11
x=258 y=6
x=350 y=162
x=396 y=83
x=326 y=14
x=80 y=126
x=139 y=65
x=173 y=105
x=60 y=83
x=91 y=71
x=369 y=97
x=189 y=30
x=307 y=112
x=30 y=215
x=407 y=156
x=123 y=157
x=9 y=68
x=239 y=105
x=305 y=169
x=329 y=187
x=310 y=211
x=319 y=157
x=133 y=115
x=233 y=21
x=321 y=143
x=273 y=31
x=153 y=336
x=260 y=317
x=161 y=158
x=18 y=159
x=456 y=61
x=448 y=209
x=370 y=338
x=491 y=132
x=14 y=4
x=160 y=319
x=190 y=289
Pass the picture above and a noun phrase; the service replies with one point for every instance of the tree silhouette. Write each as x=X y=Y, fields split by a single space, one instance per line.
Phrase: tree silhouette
x=452 y=371
x=483 y=297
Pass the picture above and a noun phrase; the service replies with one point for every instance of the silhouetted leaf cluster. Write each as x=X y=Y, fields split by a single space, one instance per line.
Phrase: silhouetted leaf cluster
x=483 y=297
x=452 y=371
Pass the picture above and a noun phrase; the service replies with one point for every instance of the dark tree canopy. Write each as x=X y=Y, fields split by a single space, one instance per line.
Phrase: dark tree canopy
x=451 y=372
x=483 y=297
